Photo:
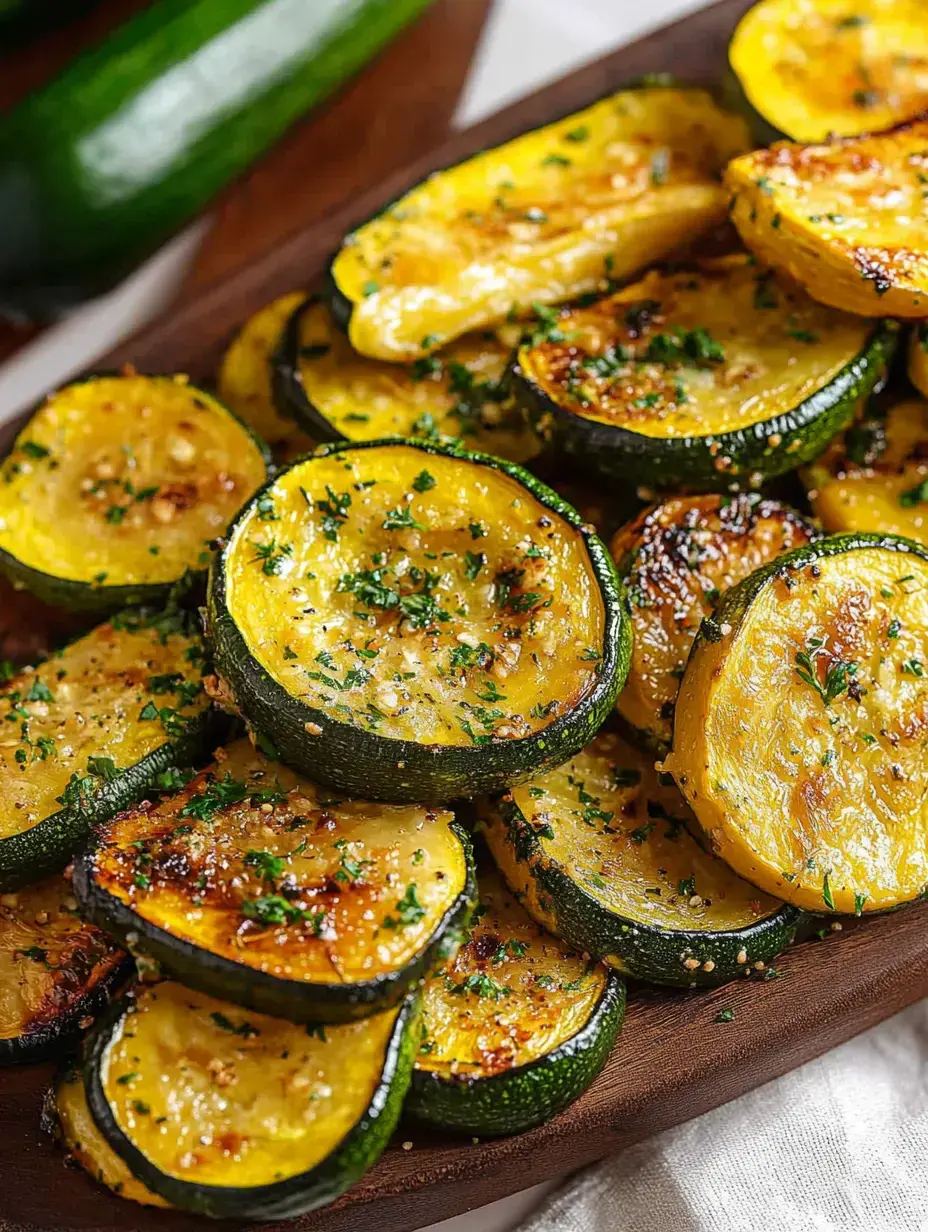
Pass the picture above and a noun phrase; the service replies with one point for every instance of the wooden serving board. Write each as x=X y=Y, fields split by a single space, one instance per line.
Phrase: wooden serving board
x=673 y=1060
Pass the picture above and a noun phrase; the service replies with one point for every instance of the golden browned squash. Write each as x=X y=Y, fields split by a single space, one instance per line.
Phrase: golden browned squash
x=800 y=729
x=677 y=558
x=810 y=68
x=599 y=194
x=875 y=477
x=847 y=219
x=244 y=377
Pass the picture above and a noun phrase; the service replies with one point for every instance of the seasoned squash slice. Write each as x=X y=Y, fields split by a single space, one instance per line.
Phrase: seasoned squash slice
x=812 y=68
x=703 y=377
x=70 y=1120
x=799 y=736
x=515 y=1028
x=117 y=485
x=846 y=219
x=599 y=853
x=244 y=378
x=459 y=392
x=676 y=560
x=55 y=971
x=254 y=885
x=601 y=193
x=89 y=732
x=875 y=477
x=245 y=1116
x=411 y=622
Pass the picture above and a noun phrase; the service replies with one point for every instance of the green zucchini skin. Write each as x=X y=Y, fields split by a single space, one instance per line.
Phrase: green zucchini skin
x=641 y=950
x=259 y=990
x=511 y=1102
x=91 y=598
x=51 y=843
x=802 y=432
x=365 y=765
x=86 y=193
x=296 y=1195
x=289 y=392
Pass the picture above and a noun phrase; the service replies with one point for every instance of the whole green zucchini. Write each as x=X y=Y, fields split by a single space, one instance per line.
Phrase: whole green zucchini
x=134 y=137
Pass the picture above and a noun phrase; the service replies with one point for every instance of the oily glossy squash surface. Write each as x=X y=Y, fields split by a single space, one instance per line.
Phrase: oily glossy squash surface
x=603 y=192
x=512 y=994
x=693 y=352
x=887 y=491
x=256 y=864
x=458 y=392
x=622 y=836
x=87 y=1146
x=677 y=559
x=124 y=480
x=846 y=219
x=213 y=1095
x=244 y=378
x=816 y=67
x=800 y=734
x=49 y=958
x=100 y=705
x=416 y=595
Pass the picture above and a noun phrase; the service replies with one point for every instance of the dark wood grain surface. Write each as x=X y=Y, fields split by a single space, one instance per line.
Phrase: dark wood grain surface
x=673 y=1060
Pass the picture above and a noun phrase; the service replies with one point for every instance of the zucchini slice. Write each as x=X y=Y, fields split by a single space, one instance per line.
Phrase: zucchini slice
x=117 y=485
x=799 y=736
x=72 y=1123
x=89 y=732
x=676 y=559
x=412 y=622
x=875 y=477
x=244 y=377
x=515 y=1028
x=253 y=885
x=245 y=1117
x=542 y=219
x=699 y=377
x=599 y=853
x=846 y=219
x=55 y=971
x=337 y=394
x=876 y=52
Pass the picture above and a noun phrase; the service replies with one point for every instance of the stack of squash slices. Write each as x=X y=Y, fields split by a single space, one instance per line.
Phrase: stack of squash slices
x=397 y=702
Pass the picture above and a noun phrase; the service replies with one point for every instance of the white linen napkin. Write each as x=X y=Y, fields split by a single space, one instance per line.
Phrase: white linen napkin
x=840 y=1145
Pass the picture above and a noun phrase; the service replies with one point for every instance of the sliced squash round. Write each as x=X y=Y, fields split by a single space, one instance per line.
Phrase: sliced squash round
x=846 y=219
x=458 y=393
x=90 y=731
x=244 y=377
x=599 y=852
x=55 y=971
x=245 y=1117
x=70 y=1120
x=676 y=559
x=799 y=736
x=876 y=53
x=542 y=219
x=516 y=1027
x=721 y=374
x=412 y=622
x=875 y=477
x=117 y=486
x=254 y=885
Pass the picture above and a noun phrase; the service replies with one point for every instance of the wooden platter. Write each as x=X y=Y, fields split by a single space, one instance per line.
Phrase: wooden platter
x=674 y=1060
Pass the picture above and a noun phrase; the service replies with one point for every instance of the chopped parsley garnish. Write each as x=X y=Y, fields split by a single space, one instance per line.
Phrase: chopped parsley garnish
x=424 y=482
x=244 y=1029
x=480 y=984
x=272 y=555
x=216 y=795
x=408 y=910
x=268 y=866
x=273 y=909
x=914 y=496
x=837 y=676
x=826 y=892
x=334 y=512
x=401 y=519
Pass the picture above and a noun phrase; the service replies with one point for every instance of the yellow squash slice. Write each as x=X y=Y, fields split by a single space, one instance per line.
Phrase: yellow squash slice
x=846 y=219
x=800 y=729
x=601 y=193
x=876 y=476
x=813 y=68
x=677 y=558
